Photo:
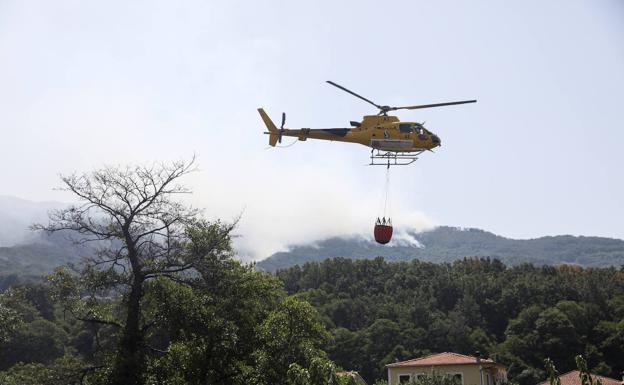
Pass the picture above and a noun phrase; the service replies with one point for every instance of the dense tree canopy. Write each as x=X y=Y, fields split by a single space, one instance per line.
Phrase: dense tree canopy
x=227 y=323
x=379 y=312
x=223 y=323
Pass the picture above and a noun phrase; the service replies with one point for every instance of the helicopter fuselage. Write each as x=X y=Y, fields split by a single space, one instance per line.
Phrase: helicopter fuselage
x=384 y=133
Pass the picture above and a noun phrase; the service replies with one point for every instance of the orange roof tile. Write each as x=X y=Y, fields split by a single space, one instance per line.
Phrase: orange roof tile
x=445 y=358
x=572 y=378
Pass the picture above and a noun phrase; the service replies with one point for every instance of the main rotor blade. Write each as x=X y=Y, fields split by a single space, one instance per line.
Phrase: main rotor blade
x=431 y=105
x=353 y=93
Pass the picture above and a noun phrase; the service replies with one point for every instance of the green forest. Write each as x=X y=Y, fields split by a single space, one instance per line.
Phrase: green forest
x=226 y=325
x=380 y=312
x=162 y=299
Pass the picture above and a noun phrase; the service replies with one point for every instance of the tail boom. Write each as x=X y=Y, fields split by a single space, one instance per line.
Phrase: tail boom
x=275 y=134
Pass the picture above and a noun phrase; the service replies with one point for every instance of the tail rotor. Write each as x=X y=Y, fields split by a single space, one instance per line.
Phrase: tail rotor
x=281 y=132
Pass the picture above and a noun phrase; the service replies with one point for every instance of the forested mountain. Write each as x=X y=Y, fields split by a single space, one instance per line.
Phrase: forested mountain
x=380 y=312
x=446 y=244
x=24 y=252
x=27 y=254
x=40 y=256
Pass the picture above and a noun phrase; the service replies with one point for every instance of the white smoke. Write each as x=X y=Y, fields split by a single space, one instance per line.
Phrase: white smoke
x=289 y=205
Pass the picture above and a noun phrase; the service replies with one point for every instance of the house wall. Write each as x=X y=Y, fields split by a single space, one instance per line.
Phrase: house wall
x=471 y=375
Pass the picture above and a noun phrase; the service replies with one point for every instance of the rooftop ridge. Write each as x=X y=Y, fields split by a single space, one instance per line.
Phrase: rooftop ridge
x=575 y=376
x=444 y=358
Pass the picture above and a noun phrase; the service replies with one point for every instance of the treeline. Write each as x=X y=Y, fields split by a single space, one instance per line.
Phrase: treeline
x=379 y=312
x=227 y=325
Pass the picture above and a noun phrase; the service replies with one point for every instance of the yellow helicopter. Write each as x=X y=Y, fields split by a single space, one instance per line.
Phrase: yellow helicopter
x=392 y=142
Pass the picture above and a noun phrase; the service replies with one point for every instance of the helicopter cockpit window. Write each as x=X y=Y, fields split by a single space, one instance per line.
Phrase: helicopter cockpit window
x=406 y=128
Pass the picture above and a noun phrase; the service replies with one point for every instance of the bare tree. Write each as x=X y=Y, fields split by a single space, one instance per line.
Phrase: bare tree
x=138 y=228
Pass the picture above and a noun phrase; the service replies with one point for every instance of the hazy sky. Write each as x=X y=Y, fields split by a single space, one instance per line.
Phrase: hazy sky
x=84 y=84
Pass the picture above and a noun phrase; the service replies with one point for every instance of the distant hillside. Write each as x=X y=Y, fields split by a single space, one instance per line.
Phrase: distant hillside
x=40 y=257
x=16 y=216
x=27 y=253
x=444 y=244
x=23 y=252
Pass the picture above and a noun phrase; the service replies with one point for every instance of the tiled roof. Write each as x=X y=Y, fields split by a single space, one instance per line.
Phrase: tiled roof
x=572 y=378
x=445 y=358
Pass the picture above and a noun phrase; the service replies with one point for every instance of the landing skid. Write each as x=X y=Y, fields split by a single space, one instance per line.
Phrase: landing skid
x=392 y=158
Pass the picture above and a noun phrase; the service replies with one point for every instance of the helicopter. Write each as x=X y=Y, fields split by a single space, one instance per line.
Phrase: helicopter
x=392 y=142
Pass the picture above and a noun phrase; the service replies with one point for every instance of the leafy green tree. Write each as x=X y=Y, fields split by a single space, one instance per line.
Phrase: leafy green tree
x=206 y=343
x=28 y=336
x=558 y=336
x=347 y=348
x=381 y=337
x=320 y=372
x=9 y=323
x=38 y=341
x=66 y=370
x=139 y=228
x=209 y=345
x=297 y=375
x=290 y=334
x=611 y=342
x=230 y=324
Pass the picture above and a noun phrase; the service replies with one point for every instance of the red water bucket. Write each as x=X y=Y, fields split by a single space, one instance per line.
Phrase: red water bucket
x=383 y=233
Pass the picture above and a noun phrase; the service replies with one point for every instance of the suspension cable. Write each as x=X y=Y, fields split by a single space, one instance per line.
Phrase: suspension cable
x=387 y=192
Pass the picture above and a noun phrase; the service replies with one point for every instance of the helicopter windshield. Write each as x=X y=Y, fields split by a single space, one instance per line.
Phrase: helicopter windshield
x=405 y=127
x=412 y=127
